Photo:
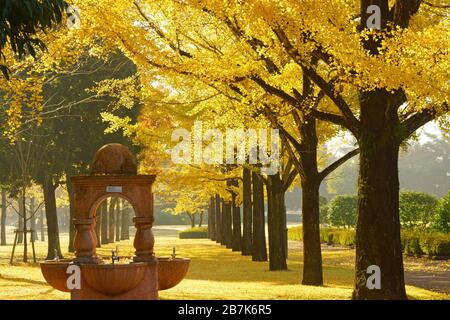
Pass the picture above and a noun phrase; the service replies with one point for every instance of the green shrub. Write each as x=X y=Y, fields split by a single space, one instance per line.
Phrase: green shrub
x=441 y=218
x=194 y=233
x=342 y=211
x=342 y=237
x=435 y=245
x=411 y=243
x=323 y=210
x=416 y=209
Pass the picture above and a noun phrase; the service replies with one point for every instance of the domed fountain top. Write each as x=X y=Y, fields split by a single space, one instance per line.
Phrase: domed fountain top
x=114 y=158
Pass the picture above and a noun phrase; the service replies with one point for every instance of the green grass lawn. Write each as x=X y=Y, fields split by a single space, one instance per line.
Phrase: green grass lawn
x=214 y=273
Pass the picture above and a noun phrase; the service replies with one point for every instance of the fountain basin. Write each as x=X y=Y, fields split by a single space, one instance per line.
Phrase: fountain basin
x=54 y=273
x=171 y=272
x=113 y=279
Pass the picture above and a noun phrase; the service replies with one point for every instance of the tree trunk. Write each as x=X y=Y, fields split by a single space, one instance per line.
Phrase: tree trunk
x=276 y=223
x=227 y=229
x=118 y=218
x=212 y=219
x=20 y=219
x=259 y=250
x=33 y=220
x=247 y=213
x=191 y=219
x=237 y=235
x=71 y=193
x=104 y=221
x=98 y=224
x=54 y=247
x=312 y=253
x=112 y=220
x=209 y=220
x=218 y=212
x=3 y=220
x=42 y=224
x=25 y=235
x=378 y=223
x=124 y=235
x=200 y=222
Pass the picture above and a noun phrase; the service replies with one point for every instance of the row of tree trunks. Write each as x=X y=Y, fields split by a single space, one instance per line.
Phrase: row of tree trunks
x=112 y=222
x=226 y=220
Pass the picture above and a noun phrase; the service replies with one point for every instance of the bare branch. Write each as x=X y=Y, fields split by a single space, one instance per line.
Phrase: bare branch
x=325 y=172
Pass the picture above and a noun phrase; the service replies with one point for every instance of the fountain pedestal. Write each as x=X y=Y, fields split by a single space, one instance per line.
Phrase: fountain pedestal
x=146 y=289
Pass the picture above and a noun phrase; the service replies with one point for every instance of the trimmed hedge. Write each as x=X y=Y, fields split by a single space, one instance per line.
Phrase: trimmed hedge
x=194 y=233
x=436 y=245
x=413 y=242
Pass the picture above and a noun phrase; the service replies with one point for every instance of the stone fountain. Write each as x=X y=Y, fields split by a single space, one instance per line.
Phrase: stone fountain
x=114 y=173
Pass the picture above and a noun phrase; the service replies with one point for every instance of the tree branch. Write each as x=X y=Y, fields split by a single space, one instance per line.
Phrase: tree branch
x=330 y=117
x=351 y=122
x=325 y=172
x=417 y=120
x=275 y=91
x=290 y=179
x=160 y=33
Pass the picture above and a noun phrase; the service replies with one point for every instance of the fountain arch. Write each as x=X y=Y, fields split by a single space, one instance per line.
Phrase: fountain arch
x=91 y=190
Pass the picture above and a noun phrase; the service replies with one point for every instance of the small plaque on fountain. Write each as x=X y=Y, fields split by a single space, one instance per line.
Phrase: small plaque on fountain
x=114 y=189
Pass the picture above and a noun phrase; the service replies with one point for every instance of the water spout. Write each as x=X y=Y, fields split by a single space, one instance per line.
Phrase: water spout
x=115 y=255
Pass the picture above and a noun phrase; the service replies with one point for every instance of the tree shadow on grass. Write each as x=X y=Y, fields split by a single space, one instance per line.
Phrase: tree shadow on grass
x=22 y=280
x=223 y=265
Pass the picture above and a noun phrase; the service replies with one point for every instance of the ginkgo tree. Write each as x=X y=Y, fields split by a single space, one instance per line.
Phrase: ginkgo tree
x=211 y=43
x=178 y=61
